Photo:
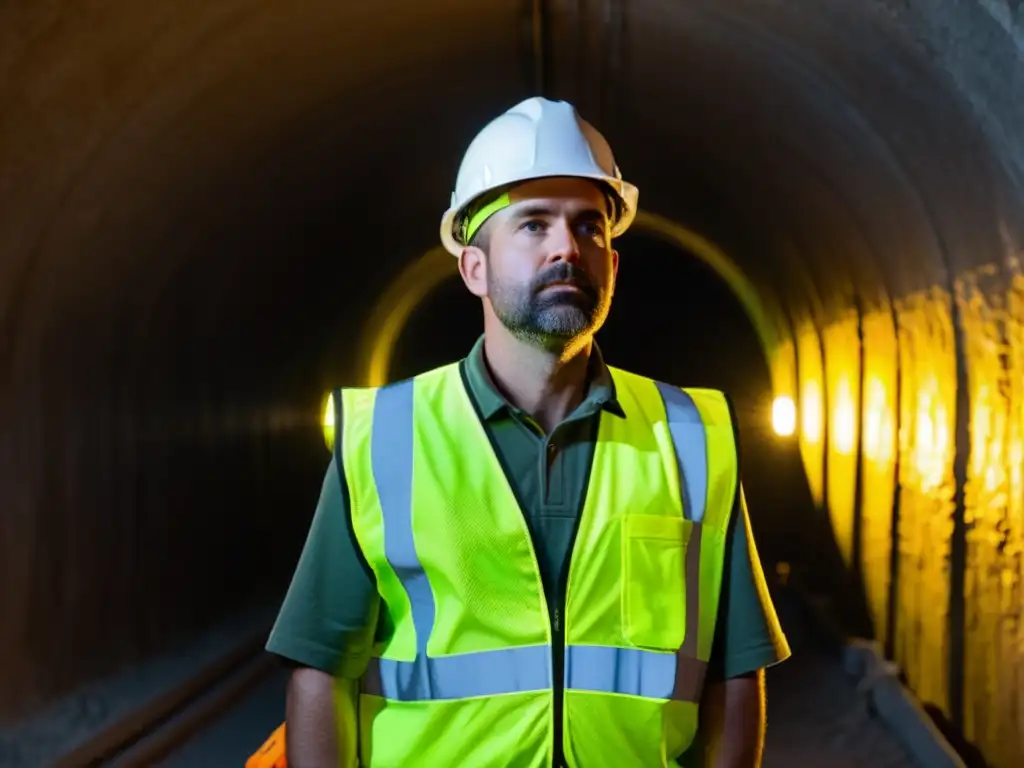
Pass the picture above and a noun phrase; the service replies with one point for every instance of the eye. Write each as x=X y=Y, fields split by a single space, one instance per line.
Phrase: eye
x=534 y=226
x=593 y=229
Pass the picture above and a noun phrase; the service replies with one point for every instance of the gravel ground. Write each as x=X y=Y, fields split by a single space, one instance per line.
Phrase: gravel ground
x=76 y=718
x=240 y=732
x=816 y=716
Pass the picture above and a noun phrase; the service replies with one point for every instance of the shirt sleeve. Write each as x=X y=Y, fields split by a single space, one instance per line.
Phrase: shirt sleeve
x=328 y=616
x=748 y=635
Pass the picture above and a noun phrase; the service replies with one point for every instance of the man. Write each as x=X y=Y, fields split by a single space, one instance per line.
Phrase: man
x=529 y=558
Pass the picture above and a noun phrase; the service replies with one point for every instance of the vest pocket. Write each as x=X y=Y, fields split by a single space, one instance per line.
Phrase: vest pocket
x=654 y=584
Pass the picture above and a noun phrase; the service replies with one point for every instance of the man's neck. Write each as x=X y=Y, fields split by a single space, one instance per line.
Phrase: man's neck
x=546 y=384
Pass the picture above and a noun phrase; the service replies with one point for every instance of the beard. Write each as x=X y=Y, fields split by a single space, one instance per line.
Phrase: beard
x=552 y=318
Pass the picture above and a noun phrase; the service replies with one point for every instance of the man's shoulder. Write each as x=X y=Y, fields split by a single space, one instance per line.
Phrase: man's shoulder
x=712 y=393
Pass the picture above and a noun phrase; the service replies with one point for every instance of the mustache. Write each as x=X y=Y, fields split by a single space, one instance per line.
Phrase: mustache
x=563 y=272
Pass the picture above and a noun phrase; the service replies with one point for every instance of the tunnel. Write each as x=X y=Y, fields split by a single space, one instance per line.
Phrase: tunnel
x=215 y=213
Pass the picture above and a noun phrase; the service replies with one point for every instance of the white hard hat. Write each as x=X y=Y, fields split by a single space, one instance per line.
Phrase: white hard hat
x=536 y=138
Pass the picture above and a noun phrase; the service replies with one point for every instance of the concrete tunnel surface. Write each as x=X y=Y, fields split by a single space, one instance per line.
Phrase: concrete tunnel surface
x=214 y=212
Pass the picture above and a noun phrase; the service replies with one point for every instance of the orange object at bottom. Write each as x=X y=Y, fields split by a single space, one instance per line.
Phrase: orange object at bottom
x=271 y=754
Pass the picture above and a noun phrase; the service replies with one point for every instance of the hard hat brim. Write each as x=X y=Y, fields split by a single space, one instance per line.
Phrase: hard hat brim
x=627 y=193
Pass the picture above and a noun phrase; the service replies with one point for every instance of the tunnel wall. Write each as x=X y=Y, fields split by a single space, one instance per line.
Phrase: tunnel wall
x=951 y=620
x=143 y=519
x=921 y=459
x=924 y=431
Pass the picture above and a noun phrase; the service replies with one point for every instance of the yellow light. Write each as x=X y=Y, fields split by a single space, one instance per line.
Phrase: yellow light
x=810 y=401
x=810 y=424
x=845 y=423
x=932 y=439
x=877 y=423
x=784 y=415
x=327 y=420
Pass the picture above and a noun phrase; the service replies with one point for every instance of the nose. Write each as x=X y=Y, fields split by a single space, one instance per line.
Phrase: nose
x=562 y=243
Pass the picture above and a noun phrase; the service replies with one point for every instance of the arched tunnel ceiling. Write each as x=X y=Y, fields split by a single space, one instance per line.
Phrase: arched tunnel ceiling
x=822 y=142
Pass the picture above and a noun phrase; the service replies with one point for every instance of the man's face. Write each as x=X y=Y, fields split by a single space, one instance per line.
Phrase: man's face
x=550 y=267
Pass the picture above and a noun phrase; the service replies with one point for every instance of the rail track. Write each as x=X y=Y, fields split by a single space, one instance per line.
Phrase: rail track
x=149 y=734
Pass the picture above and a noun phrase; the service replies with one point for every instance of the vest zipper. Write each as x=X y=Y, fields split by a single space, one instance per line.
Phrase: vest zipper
x=558 y=633
x=558 y=672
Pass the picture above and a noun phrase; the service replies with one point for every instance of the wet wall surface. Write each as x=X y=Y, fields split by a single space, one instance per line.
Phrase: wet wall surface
x=203 y=203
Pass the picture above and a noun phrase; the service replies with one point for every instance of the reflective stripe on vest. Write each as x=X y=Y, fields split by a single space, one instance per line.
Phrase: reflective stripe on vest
x=651 y=674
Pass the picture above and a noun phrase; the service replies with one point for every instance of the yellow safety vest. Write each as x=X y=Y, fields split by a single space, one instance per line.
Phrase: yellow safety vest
x=464 y=677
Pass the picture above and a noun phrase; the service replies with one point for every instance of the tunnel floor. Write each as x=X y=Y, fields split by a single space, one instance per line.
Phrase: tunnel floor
x=816 y=716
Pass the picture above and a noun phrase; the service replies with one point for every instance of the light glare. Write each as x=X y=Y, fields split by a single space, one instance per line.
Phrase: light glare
x=784 y=415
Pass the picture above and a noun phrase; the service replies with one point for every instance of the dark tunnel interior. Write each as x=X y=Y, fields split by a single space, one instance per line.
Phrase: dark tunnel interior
x=205 y=208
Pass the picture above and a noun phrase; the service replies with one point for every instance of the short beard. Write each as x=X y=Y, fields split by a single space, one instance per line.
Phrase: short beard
x=552 y=321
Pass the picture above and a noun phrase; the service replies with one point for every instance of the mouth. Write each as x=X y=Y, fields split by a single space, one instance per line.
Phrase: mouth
x=563 y=287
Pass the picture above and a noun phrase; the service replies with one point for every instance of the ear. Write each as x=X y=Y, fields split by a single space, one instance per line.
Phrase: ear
x=473 y=269
x=615 y=264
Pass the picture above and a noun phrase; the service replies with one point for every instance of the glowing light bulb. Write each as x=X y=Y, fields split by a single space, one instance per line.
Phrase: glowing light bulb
x=784 y=415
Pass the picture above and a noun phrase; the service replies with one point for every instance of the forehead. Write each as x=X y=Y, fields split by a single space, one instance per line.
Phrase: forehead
x=565 y=194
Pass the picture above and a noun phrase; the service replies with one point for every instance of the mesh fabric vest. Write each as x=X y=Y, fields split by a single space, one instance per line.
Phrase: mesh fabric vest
x=464 y=674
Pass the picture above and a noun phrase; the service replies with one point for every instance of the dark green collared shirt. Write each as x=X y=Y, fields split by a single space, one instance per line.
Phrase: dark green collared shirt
x=333 y=591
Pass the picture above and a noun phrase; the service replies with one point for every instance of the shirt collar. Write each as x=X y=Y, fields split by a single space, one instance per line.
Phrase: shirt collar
x=600 y=394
